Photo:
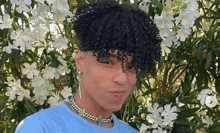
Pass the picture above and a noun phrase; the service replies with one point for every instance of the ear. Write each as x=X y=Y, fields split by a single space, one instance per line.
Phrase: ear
x=79 y=59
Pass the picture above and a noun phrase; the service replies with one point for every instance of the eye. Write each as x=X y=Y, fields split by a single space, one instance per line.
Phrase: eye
x=107 y=62
x=130 y=67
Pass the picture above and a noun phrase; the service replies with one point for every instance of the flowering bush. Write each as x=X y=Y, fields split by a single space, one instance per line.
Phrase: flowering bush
x=37 y=64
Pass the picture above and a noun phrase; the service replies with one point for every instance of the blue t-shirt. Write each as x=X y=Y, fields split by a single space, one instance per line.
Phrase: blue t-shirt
x=61 y=119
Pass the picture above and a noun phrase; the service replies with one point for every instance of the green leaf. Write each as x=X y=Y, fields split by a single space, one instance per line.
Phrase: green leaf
x=208 y=60
x=173 y=74
x=157 y=3
x=136 y=4
x=149 y=91
x=30 y=106
x=2 y=2
x=144 y=110
x=2 y=114
x=12 y=128
x=187 y=113
x=199 y=50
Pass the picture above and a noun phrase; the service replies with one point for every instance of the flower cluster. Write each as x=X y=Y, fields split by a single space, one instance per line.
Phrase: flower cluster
x=172 y=29
x=15 y=88
x=208 y=97
x=160 y=117
x=43 y=18
x=40 y=82
x=39 y=28
x=204 y=117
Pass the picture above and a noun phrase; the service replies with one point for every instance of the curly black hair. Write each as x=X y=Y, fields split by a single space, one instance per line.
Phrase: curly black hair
x=106 y=26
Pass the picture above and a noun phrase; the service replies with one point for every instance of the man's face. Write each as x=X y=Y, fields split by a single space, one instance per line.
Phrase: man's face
x=104 y=82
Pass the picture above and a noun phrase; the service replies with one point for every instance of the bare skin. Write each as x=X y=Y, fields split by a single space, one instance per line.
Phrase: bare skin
x=104 y=85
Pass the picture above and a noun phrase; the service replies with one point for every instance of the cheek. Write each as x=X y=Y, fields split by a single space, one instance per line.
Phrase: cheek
x=132 y=80
x=100 y=72
x=99 y=76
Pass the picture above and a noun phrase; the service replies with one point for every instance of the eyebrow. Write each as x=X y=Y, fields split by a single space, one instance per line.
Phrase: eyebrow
x=115 y=56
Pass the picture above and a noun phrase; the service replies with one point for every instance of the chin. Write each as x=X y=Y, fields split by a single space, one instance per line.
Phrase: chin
x=116 y=108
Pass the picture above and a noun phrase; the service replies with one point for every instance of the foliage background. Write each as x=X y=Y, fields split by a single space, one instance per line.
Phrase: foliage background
x=189 y=66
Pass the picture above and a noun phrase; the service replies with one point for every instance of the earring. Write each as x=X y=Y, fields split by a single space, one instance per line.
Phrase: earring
x=79 y=81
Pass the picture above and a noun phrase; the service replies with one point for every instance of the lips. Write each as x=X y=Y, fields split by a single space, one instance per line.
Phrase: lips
x=117 y=94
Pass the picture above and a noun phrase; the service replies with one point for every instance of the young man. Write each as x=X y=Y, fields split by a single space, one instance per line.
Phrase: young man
x=115 y=43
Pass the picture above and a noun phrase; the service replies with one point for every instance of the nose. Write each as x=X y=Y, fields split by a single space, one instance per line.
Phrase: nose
x=121 y=77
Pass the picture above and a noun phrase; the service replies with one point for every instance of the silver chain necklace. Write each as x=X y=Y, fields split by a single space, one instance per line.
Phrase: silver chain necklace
x=73 y=106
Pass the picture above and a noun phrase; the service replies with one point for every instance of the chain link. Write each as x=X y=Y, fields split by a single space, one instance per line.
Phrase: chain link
x=83 y=113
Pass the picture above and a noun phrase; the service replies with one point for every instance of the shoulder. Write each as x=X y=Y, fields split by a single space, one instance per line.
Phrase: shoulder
x=30 y=123
x=124 y=126
x=41 y=120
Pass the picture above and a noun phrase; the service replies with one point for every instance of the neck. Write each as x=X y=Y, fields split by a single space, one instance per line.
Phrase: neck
x=91 y=106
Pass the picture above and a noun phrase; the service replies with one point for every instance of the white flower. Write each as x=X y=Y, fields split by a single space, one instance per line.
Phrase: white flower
x=62 y=61
x=14 y=87
x=40 y=1
x=62 y=70
x=30 y=70
x=43 y=90
x=187 y=18
x=169 y=39
x=183 y=32
x=66 y=92
x=191 y=5
x=169 y=114
x=24 y=39
x=74 y=54
x=201 y=130
x=59 y=16
x=201 y=113
x=60 y=9
x=13 y=2
x=163 y=21
x=9 y=48
x=54 y=99
x=39 y=99
x=23 y=93
x=155 y=109
x=203 y=94
x=11 y=92
x=160 y=130
x=164 y=48
x=211 y=101
x=143 y=128
x=60 y=42
x=5 y=21
x=155 y=117
x=164 y=31
x=207 y=120
x=40 y=31
x=23 y=6
x=132 y=119
x=38 y=81
x=146 y=1
x=55 y=29
x=49 y=73
x=41 y=15
x=169 y=3
x=144 y=6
